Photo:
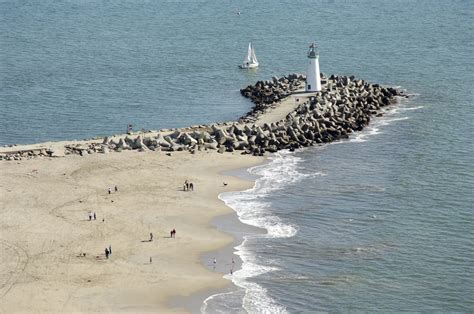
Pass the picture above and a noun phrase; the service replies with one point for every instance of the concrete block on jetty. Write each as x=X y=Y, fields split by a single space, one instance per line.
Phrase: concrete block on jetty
x=344 y=105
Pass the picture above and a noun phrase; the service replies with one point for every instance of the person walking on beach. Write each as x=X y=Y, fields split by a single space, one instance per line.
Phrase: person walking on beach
x=95 y=216
x=151 y=236
x=110 y=190
x=90 y=216
x=151 y=260
x=106 y=253
x=116 y=189
x=110 y=249
x=191 y=186
x=186 y=183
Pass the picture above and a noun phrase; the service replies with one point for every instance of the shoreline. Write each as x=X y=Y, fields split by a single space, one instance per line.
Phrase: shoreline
x=229 y=224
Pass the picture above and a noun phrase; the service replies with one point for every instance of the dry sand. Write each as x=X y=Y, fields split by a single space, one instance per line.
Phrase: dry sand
x=44 y=205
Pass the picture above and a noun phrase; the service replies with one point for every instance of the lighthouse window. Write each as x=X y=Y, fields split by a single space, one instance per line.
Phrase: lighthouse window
x=309 y=86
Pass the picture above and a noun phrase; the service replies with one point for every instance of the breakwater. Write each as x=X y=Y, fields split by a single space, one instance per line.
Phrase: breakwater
x=344 y=105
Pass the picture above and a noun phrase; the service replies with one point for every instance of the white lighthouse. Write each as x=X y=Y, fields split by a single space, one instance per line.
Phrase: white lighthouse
x=313 y=78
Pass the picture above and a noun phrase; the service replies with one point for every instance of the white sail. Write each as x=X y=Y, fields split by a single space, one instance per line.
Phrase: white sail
x=254 y=58
x=250 y=60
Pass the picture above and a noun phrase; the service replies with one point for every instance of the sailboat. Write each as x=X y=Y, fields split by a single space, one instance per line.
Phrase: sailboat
x=251 y=60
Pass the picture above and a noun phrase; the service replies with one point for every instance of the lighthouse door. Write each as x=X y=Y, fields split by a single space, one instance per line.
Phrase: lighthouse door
x=309 y=86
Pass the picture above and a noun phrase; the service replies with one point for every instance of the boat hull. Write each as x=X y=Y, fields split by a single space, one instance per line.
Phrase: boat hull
x=249 y=66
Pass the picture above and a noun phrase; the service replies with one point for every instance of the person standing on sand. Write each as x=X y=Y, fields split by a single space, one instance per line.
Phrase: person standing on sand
x=151 y=236
x=106 y=253
x=191 y=186
x=110 y=249
x=95 y=216
x=90 y=216
x=110 y=190
x=116 y=189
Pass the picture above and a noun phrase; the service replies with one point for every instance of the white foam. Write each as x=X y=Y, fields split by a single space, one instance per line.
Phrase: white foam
x=283 y=169
x=256 y=299
x=412 y=108
x=374 y=127
x=362 y=136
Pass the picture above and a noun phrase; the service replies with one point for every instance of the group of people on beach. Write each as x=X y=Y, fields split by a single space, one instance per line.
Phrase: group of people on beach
x=172 y=235
x=108 y=250
x=188 y=186
x=110 y=189
x=92 y=215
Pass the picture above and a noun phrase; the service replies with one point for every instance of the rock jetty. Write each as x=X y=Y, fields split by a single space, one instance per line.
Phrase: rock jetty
x=345 y=105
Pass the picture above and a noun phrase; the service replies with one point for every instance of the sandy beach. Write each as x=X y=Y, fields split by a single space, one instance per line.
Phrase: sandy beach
x=45 y=228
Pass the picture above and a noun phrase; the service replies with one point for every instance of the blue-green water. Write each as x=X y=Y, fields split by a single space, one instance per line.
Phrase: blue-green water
x=382 y=222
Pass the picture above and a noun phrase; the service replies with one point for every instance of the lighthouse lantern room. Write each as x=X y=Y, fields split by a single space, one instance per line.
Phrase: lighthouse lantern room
x=313 y=79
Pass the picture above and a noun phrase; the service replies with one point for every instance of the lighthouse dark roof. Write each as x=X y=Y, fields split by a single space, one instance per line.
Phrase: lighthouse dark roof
x=312 y=51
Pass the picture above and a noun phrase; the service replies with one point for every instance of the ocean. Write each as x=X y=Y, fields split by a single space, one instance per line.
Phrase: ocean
x=382 y=221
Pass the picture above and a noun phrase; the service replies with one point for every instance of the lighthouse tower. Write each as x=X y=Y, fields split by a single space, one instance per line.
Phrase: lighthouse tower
x=313 y=79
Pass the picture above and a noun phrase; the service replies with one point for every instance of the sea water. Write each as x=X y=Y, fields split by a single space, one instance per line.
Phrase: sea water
x=380 y=222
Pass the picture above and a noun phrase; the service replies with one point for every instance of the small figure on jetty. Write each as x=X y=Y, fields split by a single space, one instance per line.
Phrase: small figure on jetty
x=107 y=253
x=110 y=190
x=95 y=216
x=151 y=236
x=129 y=128
x=173 y=233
